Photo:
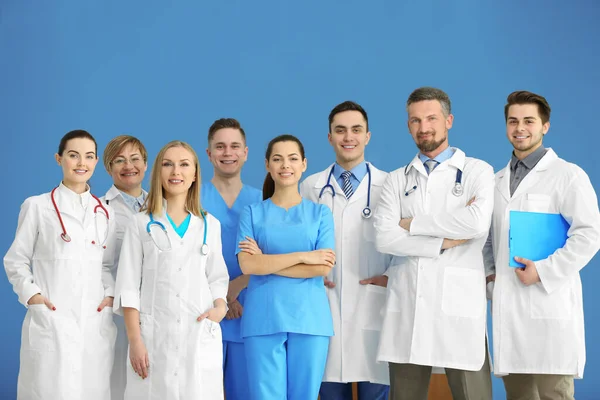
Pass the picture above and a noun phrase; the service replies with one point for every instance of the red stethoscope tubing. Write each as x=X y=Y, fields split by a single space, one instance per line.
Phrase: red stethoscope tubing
x=64 y=236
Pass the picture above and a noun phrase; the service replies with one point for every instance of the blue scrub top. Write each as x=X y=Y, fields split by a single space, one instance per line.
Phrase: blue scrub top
x=229 y=218
x=276 y=304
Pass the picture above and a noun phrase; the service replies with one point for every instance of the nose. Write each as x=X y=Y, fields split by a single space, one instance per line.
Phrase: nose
x=226 y=151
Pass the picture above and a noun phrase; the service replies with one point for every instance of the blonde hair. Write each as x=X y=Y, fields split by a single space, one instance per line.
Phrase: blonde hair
x=117 y=144
x=154 y=202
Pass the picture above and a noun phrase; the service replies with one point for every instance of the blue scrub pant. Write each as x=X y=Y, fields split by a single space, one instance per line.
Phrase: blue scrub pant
x=285 y=366
x=235 y=375
x=343 y=391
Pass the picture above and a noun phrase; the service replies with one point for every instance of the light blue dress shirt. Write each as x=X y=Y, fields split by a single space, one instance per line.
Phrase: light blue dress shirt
x=443 y=156
x=358 y=173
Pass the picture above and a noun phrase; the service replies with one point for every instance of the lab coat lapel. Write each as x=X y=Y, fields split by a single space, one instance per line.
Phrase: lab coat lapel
x=503 y=182
x=536 y=174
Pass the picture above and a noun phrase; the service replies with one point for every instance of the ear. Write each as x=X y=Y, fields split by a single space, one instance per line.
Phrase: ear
x=245 y=153
x=58 y=158
x=208 y=152
x=449 y=121
x=304 y=164
x=546 y=127
x=368 y=138
x=267 y=165
x=329 y=138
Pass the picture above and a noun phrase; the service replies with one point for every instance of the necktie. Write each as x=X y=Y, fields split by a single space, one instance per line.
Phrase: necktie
x=430 y=164
x=348 y=190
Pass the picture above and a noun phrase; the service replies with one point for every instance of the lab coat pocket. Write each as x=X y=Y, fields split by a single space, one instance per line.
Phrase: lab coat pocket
x=556 y=305
x=211 y=330
x=463 y=293
x=41 y=332
x=371 y=307
x=535 y=202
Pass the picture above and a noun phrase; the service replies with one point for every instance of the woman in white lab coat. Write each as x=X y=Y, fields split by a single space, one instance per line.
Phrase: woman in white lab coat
x=171 y=287
x=125 y=159
x=60 y=267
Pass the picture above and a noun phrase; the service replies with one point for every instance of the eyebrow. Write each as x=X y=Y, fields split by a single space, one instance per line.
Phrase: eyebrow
x=134 y=154
x=183 y=159
x=289 y=155
x=223 y=143
x=353 y=126
x=76 y=152
x=516 y=119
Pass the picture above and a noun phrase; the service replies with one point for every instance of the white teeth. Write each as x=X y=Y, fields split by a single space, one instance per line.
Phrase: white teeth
x=286 y=174
x=175 y=180
x=348 y=147
x=131 y=174
x=227 y=161
x=80 y=171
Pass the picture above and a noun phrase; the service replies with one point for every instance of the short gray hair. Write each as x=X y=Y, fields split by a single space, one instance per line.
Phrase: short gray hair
x=430 y=93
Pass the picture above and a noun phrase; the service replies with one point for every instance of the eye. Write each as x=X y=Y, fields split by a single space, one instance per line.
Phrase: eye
x=219 y=147
x=118 y=161
x=167 y=164
x=185 y=164
x=294 y=158
x=236 y=146
x=90 y=157
x=73 y=155
x=136 y=160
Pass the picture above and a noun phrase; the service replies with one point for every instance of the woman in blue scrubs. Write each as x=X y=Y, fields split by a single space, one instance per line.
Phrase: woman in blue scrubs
x=286 y=245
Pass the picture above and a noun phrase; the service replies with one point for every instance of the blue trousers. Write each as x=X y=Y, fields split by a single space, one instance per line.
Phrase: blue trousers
x=343 y=391
x=235 y=375
x=285 y=366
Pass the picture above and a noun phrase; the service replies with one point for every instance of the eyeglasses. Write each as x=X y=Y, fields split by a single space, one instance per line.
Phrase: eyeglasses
x=120 y=161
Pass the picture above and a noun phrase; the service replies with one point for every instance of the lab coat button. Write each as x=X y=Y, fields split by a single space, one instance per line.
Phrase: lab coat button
x=177 y=295
x=175 y=374
x=178 y=321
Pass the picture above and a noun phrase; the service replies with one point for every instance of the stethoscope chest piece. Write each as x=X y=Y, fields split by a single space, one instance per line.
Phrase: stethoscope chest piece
x=65 y=237
x=457 y=190
x=204 y=249
x=366 y=212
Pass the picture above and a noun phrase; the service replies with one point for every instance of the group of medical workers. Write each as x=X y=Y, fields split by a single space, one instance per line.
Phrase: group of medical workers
x=196 y=290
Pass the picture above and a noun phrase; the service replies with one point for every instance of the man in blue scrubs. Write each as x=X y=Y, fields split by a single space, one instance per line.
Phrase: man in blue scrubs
x=225 y=196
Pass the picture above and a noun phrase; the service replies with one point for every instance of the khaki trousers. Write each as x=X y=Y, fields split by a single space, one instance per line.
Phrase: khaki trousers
x=411 y=382
x=539 y=387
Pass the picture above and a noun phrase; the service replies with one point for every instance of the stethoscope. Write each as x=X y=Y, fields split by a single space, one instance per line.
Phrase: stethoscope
x=64 y=235
x=153 y=222
x=366 y=212
x=457 y=190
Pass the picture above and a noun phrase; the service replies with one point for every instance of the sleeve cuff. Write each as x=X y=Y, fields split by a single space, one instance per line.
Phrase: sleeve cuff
x=126 y=300
x=545 y=280
x=418 y=224
x=28 y=292
x=109 y=292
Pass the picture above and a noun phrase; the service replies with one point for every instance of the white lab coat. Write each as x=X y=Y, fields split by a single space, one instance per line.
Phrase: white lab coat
x=171 y=289
x=122 y=217
x=66 y=354
x=436 y=306
x=356 y=309
x=539 y=328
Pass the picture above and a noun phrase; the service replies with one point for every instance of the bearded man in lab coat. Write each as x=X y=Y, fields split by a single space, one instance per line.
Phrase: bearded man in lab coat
x=356 y=286
x=433 y=217
x=539 y=341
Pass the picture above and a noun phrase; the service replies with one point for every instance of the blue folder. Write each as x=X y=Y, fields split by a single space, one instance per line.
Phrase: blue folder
x=535 y=236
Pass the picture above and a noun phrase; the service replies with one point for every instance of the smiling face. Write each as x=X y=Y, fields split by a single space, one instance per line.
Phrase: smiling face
x=128 y=169
x=78 y=161
x=178 y=171
x=429 y=126
x=227 y=152
x=349 y=136
x=286 y=164
x=524 y=128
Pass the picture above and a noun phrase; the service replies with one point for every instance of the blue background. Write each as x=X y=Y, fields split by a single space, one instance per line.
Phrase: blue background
x=166 y=70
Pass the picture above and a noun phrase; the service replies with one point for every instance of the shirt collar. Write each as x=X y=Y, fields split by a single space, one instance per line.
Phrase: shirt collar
x=359 y=170
x=440 y=158
x=81 y=199
x=131 y=200
x=530 y=161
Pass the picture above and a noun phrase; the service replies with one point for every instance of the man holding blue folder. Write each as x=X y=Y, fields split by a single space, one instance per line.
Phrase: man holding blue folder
x=537 y=307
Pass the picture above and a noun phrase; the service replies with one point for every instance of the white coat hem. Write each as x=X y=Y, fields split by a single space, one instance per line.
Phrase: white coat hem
x=463 y=367
x=356 y=379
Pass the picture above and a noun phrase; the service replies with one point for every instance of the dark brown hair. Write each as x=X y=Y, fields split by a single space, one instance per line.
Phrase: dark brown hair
x=76 y=134
x=269 y=184
x=525 y=97
x=348 y=106
x=225 y=123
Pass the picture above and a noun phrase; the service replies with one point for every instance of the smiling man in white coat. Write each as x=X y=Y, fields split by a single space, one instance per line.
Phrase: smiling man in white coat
x=433 y=217
x=539 y=341
x=356 y=287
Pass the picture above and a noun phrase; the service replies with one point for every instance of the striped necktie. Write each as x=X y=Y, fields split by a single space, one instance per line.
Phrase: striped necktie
x=348 y=190
x=430 y=164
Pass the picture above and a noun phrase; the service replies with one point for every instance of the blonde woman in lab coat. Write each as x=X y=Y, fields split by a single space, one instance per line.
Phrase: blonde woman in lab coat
x=125 y=159
x=171 y=287
x=60 y=267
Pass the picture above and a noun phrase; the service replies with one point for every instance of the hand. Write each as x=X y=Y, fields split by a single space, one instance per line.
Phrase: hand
x=490 y=278
x=328 y=284
x=215 y=314
x=527 y=275
x=39 y=299
x=450 y=243
x=138 y=356
x=250 y=246
x=405 y=223
x=471 y=201
x=380 y=280
x=319 y=257
x=235 y=310
x=107 y=302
